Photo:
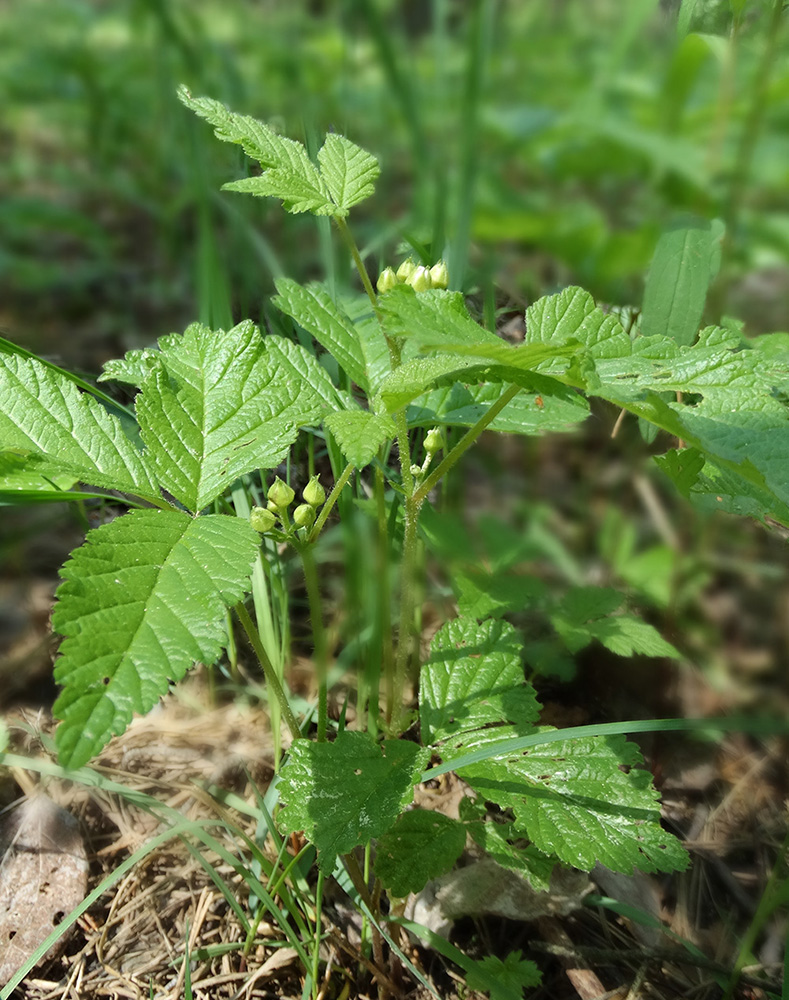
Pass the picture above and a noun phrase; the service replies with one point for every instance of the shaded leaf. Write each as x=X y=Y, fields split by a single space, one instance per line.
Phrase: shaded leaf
x=420 y=846
x=360 y=433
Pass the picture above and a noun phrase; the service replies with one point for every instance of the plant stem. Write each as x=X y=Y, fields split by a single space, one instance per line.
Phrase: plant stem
x=318 y=635
x=396 y=688
x=316 y=948
x=384 y=602
x=357 y=258
x=269 y=672
x=330 y=502
x=465 y=443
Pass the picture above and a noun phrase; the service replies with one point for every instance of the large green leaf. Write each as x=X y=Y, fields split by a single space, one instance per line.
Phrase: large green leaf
x=288 y=172
x=348 y=171
x=686 y=260
x=584 y=801
x=474 y=678
x=342 y=794
x=420 y=846
x=314 y=309
x=44 y=413
x=142 y=599
x=219 y=404
x=432 y=317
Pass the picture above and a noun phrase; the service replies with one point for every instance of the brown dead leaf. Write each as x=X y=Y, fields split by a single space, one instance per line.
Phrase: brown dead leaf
x=43 y=876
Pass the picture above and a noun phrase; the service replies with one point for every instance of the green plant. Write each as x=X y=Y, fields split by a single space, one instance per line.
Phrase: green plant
x=148 y=593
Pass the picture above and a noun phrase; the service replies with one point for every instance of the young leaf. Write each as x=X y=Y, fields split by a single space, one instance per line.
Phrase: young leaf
x=313 y=308
x=573 y=800
x=503 y=980
x=142 y=599
x=342 y=794
x=348 y=171
x=686 y=260
x=360 y=433
x=288 y=172
x=44 y=413
x=474 y=678
x=420 y=846
x=220 y=404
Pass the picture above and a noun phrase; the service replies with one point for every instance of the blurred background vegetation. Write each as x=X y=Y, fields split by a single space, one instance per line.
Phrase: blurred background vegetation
x=532 y=144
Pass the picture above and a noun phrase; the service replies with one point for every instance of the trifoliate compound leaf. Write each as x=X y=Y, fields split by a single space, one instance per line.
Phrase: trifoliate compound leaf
x=503 y=980
x=348 y=171
x=420 y=846
x=574 y=800
x=474 y=678
x=343 y=794
x=43 y=412
x=220 y=404
x=288 y=172
x=313 y=308
x=360 y=433
x=142 y=599
x=686 y=260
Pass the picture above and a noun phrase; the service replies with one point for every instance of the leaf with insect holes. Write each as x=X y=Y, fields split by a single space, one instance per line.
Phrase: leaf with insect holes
x=348 y=171
x=419 y=847
x=584 y=801
x=288 y=172
x=342 y=794
x=142 y=599
x=44 y=413
x=474 y=678
x=314 y=309
x=221 y=403
x=360 y=433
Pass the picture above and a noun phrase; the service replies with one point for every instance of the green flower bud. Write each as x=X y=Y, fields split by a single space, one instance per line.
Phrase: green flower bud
x=433 y=441
x=420 y=280
x=270 y=505
x=280 y=494
x=262 y=520
x=416 y=470
x=304 y=516
x=386 y=279
x=405 y=270
x=314 y=493
x=439 y=275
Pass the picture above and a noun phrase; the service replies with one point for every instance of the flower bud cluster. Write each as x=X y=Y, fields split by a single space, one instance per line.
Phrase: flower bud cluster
x=420 y=278
x=280 y=498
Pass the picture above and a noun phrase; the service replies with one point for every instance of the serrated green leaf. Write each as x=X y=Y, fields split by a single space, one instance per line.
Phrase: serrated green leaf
x=313 y=308
x=132 y=369
x=44 y=413
x=686 y=260
x=580 y=604
x=142 y=599
x=377 y=359
x=432 y=317
x=626 y=635
x=289 y=174
x=348 y=171
x=574 y=801
x=343 y=794
x=474 y=678
x=496 y=840
x=481 y=594
x=360 y=433
x=419 y=847
x=220 y=404
x=503 y=980
x=528 y=413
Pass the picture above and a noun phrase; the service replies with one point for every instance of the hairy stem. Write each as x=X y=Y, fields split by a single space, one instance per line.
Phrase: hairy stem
x=357 y=258
x=269 y=672
x=330 y=502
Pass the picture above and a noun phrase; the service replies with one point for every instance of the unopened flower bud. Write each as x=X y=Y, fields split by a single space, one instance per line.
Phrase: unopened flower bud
x=262 y=520
x=304 y=516
x=405 y=270
x=439 y=275
x=280 y=494
x=433 y=441
x=420 y=279
x=314 y=494
x=387 y=280
x=416 y=469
